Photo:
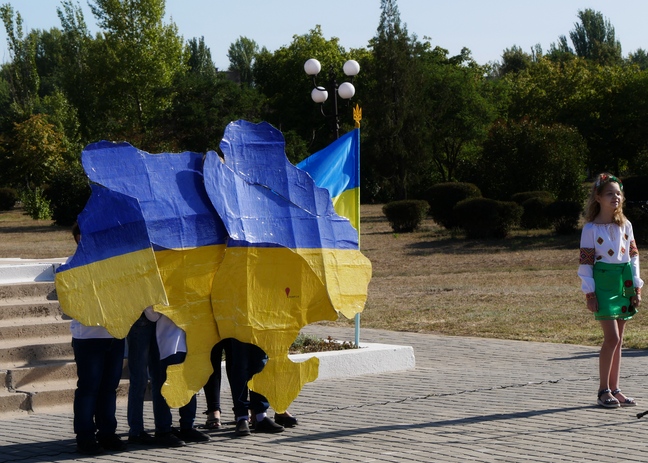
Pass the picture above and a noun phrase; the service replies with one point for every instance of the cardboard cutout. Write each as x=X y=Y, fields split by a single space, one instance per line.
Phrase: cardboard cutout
x=247 y=248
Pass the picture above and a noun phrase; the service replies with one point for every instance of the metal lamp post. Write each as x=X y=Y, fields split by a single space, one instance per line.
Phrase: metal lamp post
x=345 y=90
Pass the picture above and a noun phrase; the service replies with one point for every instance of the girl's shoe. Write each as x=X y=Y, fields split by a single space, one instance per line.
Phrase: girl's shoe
x=628 y=402
x=213 y=423
x=607 y=403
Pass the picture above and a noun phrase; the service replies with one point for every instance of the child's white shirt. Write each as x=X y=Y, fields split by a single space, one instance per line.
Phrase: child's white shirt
x=609 y=243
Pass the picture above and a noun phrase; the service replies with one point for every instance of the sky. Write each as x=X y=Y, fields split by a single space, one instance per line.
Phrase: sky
x=486 y=28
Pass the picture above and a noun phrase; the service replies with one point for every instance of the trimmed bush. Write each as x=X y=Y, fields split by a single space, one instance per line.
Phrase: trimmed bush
x=487 y=218
x=8 y=198
x=535 y=213
x=564 y=216
x=406 y=215
x=521 y=198
x=443 y=197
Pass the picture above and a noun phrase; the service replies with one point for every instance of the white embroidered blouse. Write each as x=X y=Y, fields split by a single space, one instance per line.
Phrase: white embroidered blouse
x=609 y=243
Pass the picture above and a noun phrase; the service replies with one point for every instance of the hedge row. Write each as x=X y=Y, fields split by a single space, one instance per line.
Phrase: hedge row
x=460 y=205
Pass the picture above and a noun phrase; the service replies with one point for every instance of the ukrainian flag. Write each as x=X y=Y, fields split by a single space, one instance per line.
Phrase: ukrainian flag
x=337 y=168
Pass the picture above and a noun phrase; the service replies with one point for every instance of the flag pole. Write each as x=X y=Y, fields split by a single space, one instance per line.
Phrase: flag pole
x=357 y=117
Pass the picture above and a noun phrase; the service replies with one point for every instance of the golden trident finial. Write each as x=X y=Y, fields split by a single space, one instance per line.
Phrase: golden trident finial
x=357 y=116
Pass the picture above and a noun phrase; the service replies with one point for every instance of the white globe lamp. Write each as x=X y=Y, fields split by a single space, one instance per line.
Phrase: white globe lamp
x=351 y=68
x=346 y=90
x=312 y=67
x=319 y=94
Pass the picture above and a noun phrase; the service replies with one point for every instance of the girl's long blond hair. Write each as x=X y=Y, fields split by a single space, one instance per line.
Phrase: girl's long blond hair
x=593 y=208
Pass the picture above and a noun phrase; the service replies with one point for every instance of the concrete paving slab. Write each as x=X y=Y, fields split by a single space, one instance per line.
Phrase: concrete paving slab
x=467 y=399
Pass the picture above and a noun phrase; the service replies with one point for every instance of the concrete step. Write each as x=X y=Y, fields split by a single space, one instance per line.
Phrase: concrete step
x=12 y=403
x=16 y=353
x=33 y=328
x=28 y=270
x=21 y=291
x=37 y=377
x=56 y=396
x=19 y=309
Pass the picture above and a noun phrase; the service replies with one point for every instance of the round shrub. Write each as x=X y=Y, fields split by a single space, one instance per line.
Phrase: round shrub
x=520 y=198
x=487 y=218
x=564 y=216
x=535 y=213
x=406 y=215
x=8 y=198
x=443 y=197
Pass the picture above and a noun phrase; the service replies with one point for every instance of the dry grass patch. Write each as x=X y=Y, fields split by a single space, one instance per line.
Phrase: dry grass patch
x=524 y=287
x=25 y=238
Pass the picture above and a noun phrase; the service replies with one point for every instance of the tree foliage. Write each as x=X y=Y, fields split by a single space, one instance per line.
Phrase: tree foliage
x=529 y=156
x=461 y=109
x=397 y=83
x=241 y=55
x=140 y=56
x=32 y=152
x=21 y=73
x=594 y=38
x=535 y=121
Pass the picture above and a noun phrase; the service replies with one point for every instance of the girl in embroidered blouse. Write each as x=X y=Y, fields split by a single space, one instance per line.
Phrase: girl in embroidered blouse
x=609 y=272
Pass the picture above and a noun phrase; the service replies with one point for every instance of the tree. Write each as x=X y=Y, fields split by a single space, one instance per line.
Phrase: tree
x=204 y=103
x=63 y=116
x=515 y=59
x=593 y=38
x=21 y=72
x=459 y=110
x=31 y=153
x=81 y=77
x=612 y=118
x=639 y=58
x=396 y=82
x=241 y=55
x=200 y=59
x=550 y=91
x=139 y=57
x=49 y=60
x=529 y=156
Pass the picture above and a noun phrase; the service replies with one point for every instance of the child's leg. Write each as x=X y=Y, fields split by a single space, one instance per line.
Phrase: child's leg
x=113 y=363
x=611 y=342
x=90 y=364
x=615 y=370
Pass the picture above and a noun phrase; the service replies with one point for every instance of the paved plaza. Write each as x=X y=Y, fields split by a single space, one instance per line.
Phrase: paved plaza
x=468 y=400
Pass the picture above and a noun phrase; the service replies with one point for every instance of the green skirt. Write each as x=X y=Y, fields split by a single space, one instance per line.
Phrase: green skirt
x=614 y=288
